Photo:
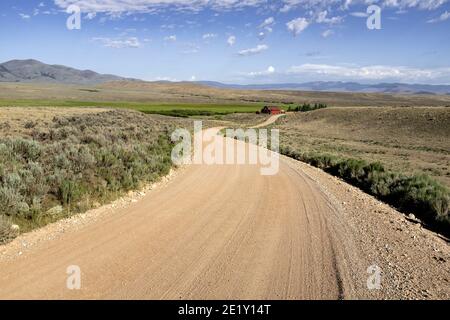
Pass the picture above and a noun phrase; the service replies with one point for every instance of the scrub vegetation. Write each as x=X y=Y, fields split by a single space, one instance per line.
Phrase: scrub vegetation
x=55 y=168
x=399 y=155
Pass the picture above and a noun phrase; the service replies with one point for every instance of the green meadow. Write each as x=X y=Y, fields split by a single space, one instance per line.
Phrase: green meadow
x=175 y=109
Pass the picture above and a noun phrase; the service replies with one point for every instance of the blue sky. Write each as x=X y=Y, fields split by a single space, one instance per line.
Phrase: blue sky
x=246 y=41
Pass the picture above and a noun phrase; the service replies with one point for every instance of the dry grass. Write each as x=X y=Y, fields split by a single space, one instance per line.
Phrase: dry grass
x=22 y=121
x=141 y=92
x=407 y=140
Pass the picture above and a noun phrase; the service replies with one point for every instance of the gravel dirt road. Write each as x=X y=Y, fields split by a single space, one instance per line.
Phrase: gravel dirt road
x=215 y=232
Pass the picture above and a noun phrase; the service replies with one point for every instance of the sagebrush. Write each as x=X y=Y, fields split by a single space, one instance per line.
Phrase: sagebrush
x=418 y=194
x=78 y=162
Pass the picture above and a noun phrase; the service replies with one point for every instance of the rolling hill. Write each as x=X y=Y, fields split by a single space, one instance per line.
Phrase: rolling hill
x=33 y=71
x=36 y=71
x=339 y=86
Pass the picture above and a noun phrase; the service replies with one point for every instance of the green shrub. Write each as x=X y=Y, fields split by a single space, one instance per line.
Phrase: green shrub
x=12 y=202
x=422 y=195
x=69 y=192
x=379 y=183
x=27 y=149
x=7 y=232
x=34 y=182
x=417 y=194
x=306 y=107
x=79 y=160
x=184 y=113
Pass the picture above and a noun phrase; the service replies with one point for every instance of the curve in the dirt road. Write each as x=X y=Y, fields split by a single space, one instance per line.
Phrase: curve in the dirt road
x=213 y=232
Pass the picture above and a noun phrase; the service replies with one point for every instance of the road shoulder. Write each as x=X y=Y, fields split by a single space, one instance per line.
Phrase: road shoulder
x=415 y=262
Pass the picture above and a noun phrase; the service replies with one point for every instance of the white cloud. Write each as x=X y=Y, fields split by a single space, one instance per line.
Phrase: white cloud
x=134 y=6
x=286 y=8
x=326 y=8
x=359 y=14
x=171 y=38
x=267 y=26
x=322 y=17
x=118 y=7
x=24 y=16
x=231 y=40
x=345 y=5
x=261 y=35
x=421 y=4
x=327 y=33
x=165 y=79
x=269 y=71
x=296 y=26
x=207 y=36
x=252 y=51
x=120 y=43
x=289 y=5
x=267 y=23
x=442 y=17
x=375 y=72
x=90 y=15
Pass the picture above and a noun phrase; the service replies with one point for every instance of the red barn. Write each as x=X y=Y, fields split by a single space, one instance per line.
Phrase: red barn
x=272 y=110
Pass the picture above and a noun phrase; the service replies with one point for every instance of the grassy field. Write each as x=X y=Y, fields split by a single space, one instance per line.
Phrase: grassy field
x=174 y=109
x=193 y=94
x=399 y=155
x=187 y=99
x=409 y=140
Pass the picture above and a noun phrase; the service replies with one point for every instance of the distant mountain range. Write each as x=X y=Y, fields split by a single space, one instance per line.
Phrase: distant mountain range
x=338 y=86
x=36 y=71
